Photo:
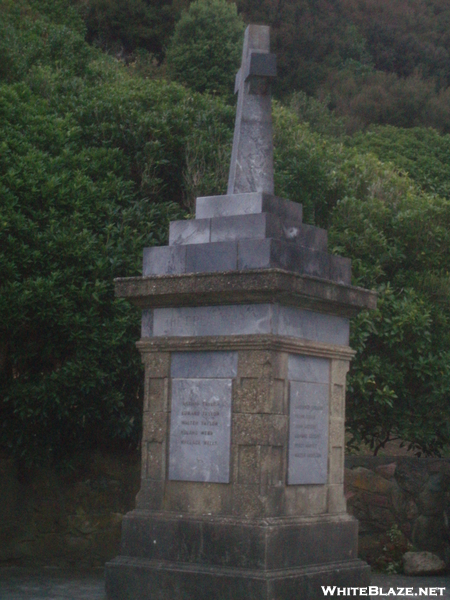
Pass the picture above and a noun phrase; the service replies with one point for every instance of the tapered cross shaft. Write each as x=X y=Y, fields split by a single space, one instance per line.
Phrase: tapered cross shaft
x=251 y=168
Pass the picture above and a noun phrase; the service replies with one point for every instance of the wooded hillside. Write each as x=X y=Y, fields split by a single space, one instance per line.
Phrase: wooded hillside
x=99 y=149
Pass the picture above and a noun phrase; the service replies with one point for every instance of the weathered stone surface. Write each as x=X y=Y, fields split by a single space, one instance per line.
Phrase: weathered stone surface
x=247 y=226
x=190 y=231
x=422 y=563
x=337 y=503
x=308 y=433
x=336 y=459
x=267 y=430
x=364 y=479
x=217 y=256
x=254 y=395
x=154 y=427
x=428 y=533
x=164 y=260
x=280 y=254
x=387 y=471
x=307 y=368
x=245 y=288
x=250 y=319
x=306 y=500
x=147 y=323
x=226 y=229
x=200 y=430
x=156 y=394
x=411 y=476
x=246 y=254
x=245 y=204
x=204 y=364
x=251 y=168
x=157 y=364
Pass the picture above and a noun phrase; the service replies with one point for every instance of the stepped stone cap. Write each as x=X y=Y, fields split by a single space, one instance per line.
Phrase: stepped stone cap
x=249 y=228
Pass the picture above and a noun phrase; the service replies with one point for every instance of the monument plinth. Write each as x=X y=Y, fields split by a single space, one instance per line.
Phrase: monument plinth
x=245 y=341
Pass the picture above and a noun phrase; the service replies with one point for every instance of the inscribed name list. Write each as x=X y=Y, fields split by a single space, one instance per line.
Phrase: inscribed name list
x=308 y=433
x=200 y=430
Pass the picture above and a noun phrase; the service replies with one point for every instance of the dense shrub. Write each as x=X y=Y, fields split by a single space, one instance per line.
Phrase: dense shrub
x=420 y=152
x=205 y=50
x=126 y=27
x=93 y=164
x=398 y=238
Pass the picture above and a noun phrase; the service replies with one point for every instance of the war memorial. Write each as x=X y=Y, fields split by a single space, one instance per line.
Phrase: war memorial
x=245 y=342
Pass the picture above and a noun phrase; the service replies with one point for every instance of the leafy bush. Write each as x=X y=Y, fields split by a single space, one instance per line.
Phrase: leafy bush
x=69 y=224
x=420 y=152
x=128 y=26
x=205 y=50
x=398 y=238
x=91 y=163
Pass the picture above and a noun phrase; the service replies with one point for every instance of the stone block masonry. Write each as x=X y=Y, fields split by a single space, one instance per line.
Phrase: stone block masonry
x=49 y=519
x=407 y=492
x=245 y=333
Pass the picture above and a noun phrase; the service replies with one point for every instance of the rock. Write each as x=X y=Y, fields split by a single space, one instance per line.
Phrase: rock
x=411 y=475
x=430 y=503
x=364 y=479
x=422 y=563
x=429 y=532
x=387 y=471
x=412 y=512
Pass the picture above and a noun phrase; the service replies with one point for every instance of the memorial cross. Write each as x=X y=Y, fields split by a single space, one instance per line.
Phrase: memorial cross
x=251 y=168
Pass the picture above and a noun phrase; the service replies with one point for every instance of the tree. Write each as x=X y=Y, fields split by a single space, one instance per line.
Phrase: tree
x=87 y=163
x=398 y=238
x=422 y=153
x=130 y=26
x=205 y=50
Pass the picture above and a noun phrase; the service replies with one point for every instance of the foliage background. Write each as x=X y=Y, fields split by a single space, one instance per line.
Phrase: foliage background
x=98 y=151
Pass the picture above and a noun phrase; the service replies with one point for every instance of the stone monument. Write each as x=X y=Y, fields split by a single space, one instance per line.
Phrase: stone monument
x=245 y=333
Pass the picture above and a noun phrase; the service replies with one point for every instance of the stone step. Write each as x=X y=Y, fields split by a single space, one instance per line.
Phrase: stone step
x=251 y=226
x=245 y=255
x=244 y=204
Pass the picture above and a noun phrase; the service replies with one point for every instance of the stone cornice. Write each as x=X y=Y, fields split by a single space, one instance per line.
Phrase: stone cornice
x=244 y=342
x=245 y=287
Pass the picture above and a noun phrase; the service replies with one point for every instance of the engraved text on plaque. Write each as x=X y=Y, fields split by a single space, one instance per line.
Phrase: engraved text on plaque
x=308 y=420
x=200 y=425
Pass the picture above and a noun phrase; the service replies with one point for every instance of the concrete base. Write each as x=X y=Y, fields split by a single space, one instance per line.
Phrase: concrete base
x=174 y=557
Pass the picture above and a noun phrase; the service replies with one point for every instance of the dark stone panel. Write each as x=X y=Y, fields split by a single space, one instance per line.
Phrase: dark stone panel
x=164 y=260
x=191 y=541
x=235 y=544
x=340 y=269
x=254 y=254
x=290 y=256
x=253 y=226
x=305 y=235
x=252 y=203
x=220 y=256
x=262 y=64
x=134 y=579
x=317 y=543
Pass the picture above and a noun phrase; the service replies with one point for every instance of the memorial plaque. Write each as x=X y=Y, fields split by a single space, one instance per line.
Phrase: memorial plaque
x=200 y=430
x=308 y=420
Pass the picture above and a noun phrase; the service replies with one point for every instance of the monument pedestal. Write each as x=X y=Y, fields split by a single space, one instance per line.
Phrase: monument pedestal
x=265 y=518
x=224 y=558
